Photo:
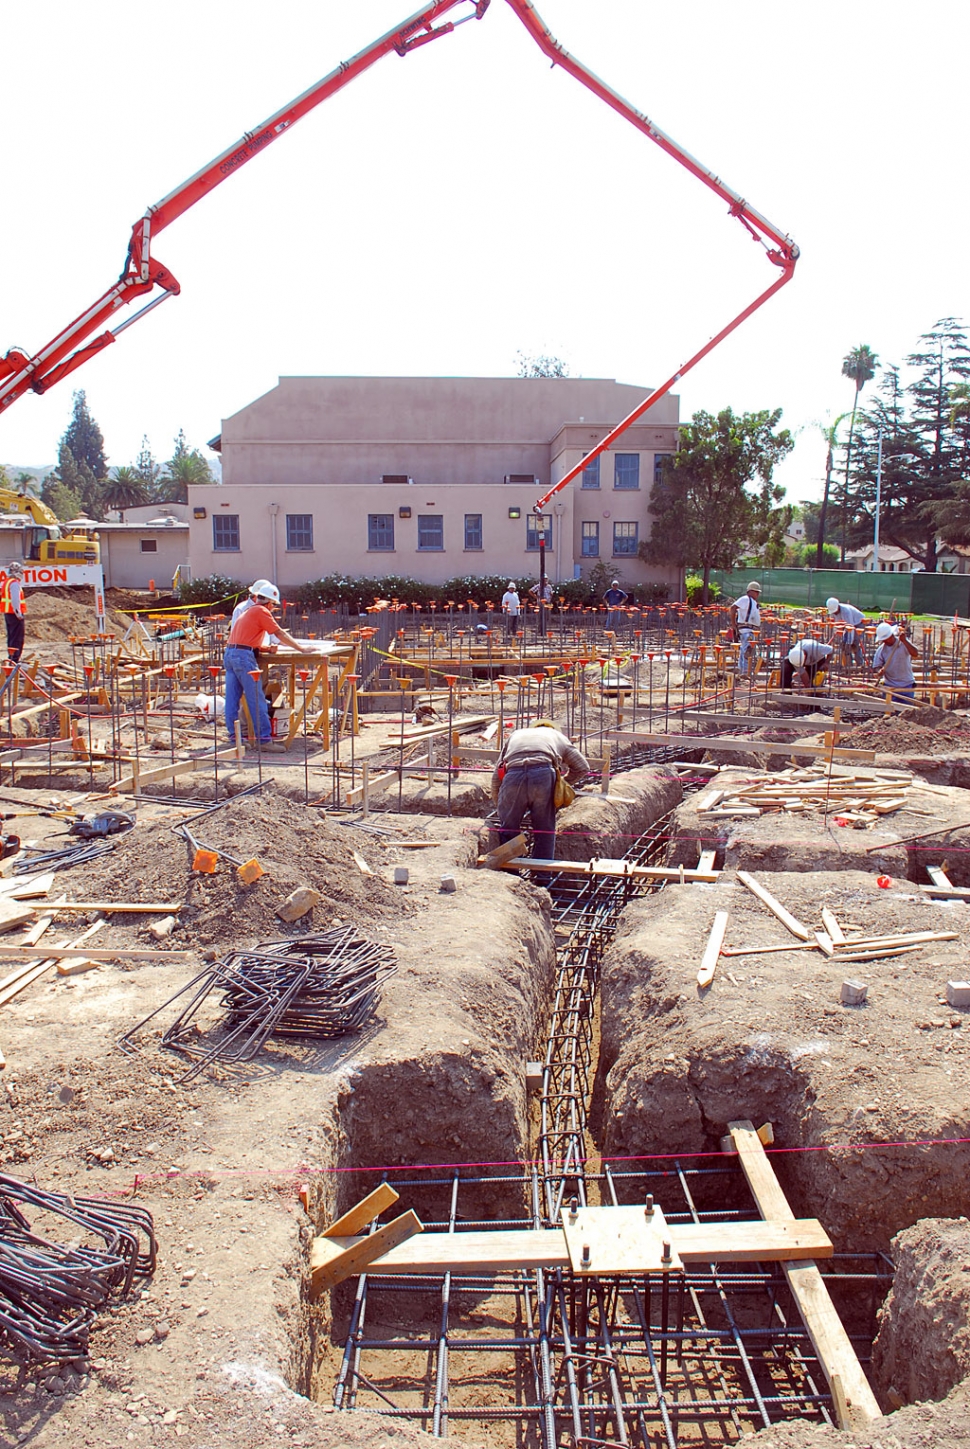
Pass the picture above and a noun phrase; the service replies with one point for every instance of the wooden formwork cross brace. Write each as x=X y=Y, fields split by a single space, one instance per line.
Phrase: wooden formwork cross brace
x=855 y=1403
x=337 y=1254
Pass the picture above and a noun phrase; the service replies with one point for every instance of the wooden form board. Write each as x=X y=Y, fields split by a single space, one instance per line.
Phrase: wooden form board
x=713 y=949
x=774 y=906
x=135 y=780
x=829 y=1339
x=26 y=953
x=621 y=868
x=769 y=721
x=754 y=747
x=491 y=1252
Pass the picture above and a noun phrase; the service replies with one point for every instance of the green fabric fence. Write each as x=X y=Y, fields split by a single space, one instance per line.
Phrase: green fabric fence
x=809 y=588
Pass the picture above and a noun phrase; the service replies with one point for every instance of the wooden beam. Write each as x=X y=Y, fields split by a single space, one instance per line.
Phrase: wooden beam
x=621 y=868
x=150 y=908
x=334 y=1259
x=24 y=953
x=128 y=783
x=754 y=747
x=502 y=853
x=832 y=1344
x=766 y=721
x=363 y=1212
x=714 y=943
x=775 y=907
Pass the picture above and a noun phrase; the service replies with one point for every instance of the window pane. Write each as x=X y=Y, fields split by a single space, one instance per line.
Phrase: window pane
x=225 y=533
x=591 y=540
x=660 y=461
x=380 y=532
x=626 y=470
x=149 y=545
x=431 y=531
x=625 y=538
x=532 y=532
x=473 y=530
x=591 y=473
x=299 y=532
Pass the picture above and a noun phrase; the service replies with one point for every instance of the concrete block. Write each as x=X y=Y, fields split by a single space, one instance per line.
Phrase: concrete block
x=448 y=883
x=854 y=993
x=533 y=1076
x=958 y=993
x=400 y=875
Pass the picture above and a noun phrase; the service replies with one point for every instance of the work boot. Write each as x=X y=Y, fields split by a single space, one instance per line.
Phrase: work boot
x=267 y=747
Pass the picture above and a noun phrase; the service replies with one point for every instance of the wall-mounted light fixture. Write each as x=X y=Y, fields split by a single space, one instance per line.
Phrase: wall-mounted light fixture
x=404 y=513
x=515 y=512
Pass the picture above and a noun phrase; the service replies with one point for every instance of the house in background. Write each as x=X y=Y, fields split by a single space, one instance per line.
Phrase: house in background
x=431 y=478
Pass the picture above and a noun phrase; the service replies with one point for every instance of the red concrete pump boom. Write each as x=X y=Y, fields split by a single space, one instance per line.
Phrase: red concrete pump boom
x=143 y=273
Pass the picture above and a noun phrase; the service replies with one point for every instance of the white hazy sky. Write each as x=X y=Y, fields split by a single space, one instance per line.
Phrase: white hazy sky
x=449 y=209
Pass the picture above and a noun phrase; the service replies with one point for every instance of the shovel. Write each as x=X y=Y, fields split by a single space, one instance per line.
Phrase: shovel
x=207 y=858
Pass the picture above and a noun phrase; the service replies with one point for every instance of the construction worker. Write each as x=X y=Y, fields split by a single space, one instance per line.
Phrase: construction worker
x=745 y=618
x=614 y=599
x=252 y=597
x=14 y=607
x=852 y=621
x=893 y=661
x=511 y=608
x=239 y=662
x=804 y=662
x=525 y=780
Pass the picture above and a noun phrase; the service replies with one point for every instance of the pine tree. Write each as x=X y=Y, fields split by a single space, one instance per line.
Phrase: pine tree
x=147 y=468
x=84 y=438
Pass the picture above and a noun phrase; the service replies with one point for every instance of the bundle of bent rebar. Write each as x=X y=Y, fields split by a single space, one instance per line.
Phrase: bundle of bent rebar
x=50 y=1293
x=324 y=985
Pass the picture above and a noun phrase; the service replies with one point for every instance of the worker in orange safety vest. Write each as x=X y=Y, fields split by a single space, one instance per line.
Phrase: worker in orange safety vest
x=14 y=607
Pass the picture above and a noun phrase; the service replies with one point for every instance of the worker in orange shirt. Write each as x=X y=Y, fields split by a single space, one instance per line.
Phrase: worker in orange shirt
x=239 y=662
x=14 y=607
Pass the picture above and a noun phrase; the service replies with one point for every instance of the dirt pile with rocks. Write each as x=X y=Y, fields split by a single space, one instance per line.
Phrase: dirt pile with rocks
x=295 y=845
x=53 y=617
x=902 y=735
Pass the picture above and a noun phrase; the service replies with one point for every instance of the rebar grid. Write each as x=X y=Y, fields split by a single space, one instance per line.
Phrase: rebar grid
x=675 y=1360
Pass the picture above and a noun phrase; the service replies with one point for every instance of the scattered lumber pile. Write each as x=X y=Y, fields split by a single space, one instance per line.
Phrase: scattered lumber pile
x=860 y=797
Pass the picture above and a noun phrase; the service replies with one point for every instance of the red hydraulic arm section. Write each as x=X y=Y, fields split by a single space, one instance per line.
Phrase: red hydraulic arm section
x=143 y=274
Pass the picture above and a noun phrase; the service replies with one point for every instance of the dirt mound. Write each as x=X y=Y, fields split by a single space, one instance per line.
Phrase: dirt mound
x=294 y=844
x=55 y=616
x=895 y=735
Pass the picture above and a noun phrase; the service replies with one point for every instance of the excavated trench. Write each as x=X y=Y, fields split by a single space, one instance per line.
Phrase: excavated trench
x=537 y=1357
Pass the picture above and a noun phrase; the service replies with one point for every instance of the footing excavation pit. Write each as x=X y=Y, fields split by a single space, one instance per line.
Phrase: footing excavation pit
x=503 y=1331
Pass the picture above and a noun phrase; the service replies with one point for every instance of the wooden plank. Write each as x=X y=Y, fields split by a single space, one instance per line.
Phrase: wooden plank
x=375 y=782
x=23 y=953
x=483 y=1252
x=14 y=914
x=126 y=785
x=708 y=801
x=909 y=938
x=363 y=1212
x=764 y=950
x=714 y=943
x=776 y=908
x=707 y=860
x=621 y=868
x=832 y=927
x=829 y=1339
x=766 y=721
x=25 y=887
x=947 y=893
x=150 y=908
x=754 y=747
x=502 y=853
x=334 y=1259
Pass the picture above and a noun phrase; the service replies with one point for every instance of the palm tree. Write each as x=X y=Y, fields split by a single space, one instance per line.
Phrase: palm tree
x=829 y=434
x=859 y=365
x=124 y=490
x=26 y=483
x=181 y=471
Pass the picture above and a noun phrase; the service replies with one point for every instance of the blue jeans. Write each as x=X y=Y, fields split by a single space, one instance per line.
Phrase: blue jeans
x=852 y=648
x=529 y=788
x=237 y=663
x=747 y=648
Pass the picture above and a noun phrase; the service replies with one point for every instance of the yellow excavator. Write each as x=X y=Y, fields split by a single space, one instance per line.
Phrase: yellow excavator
x=47 y=541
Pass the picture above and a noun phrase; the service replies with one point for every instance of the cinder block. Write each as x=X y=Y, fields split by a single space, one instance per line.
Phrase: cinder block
x=854 y=993
x=958 y=993
x=448 y=883
x=533 y=1076
x=400 y=875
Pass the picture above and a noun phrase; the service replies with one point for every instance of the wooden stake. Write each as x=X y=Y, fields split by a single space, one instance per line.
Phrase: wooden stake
x=714 y=942
x=776 y=908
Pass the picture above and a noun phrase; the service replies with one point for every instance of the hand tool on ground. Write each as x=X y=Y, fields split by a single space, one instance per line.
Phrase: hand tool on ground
x=207 y=856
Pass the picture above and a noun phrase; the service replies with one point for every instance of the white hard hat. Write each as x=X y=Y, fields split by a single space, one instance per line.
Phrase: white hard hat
x=796 y=657
x=832 y=605
x=753 y=585
x=266 y=590
x=884 y=632
x=258 y=586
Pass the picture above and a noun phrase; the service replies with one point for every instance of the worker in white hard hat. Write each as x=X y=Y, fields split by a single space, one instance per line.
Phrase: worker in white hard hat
x=892 y=661
x=511 y=608
x=849 y=621
x=240 y=663
x=255 y=589
x=804 y=663
x=745 y=618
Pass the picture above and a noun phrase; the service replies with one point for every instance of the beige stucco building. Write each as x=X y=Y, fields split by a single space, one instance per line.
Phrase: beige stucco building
x=431 y=478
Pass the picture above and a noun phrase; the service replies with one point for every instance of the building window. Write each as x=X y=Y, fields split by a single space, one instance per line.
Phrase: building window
x=591 y=540
x=431 y=531
x=299 y=533
x=626 y=470
x=225 y=533
x=591 y=473
x=380 y=532
x=532 y=532
x=473 y=531
x=660 y=461
x=625 y=537
x=149 y=545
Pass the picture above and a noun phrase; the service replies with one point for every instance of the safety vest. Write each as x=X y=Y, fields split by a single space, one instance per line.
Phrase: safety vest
x=6 y=603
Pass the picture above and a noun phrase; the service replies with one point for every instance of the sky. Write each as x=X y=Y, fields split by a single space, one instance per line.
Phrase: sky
x=451 y=209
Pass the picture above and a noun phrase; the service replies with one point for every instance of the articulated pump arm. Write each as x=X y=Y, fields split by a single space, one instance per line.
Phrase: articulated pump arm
x=143 y=274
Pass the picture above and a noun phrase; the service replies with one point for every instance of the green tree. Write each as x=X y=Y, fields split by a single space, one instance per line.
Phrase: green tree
x=125 y=490
x=860 y=366
x=539 y=364
x=829 y=433
x=716 y=501
x=186 y=467
x=25 y=483
x=84 y=438
x=79 y=480
x=147 y=468
x=63 y=500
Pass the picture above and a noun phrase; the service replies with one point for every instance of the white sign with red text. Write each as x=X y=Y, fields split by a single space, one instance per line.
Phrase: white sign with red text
x=43 y=575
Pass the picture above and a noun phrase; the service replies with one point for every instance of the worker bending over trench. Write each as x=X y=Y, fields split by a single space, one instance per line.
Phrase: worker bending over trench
x=525 y=779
